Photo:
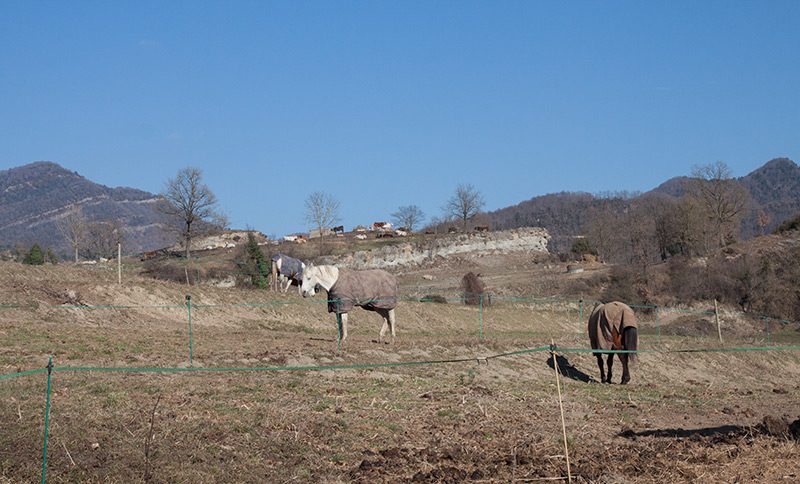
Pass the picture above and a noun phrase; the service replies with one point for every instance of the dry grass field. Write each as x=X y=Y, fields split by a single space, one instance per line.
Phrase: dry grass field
x=268 y=397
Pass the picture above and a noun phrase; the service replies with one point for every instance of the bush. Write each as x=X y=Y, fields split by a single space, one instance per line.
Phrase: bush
x=787 y=226
x=170 y=270
x=256 y=266
x=474 y=290
x=436 y=298
x=34 y=257
x=582 y=246
x=621 y=286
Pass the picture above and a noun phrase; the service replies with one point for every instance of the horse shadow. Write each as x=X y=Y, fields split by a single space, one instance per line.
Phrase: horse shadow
x=567 y=370
x=722 y=430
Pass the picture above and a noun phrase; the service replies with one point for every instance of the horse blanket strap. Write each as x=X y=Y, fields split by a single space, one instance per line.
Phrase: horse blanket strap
x=373 y=289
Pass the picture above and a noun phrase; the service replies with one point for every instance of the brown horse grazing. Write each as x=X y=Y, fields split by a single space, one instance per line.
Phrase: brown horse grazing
x=613 y=326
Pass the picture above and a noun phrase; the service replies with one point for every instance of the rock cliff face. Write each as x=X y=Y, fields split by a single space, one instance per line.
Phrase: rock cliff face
x=525 y=239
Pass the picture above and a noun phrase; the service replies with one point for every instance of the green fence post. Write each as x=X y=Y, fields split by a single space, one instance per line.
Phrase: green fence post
x=260 y=285
x=767 y=330
x=189 y=305
x=580 y=320
x=338 y=326
x=658 y=332
x=480 y=334
x=46 y=417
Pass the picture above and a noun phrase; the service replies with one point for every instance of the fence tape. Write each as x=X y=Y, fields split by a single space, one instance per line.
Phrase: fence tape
x=388 y=365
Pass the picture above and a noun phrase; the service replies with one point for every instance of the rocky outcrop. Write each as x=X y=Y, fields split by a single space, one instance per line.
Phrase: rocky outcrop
x=222 y=240
x=526 y=239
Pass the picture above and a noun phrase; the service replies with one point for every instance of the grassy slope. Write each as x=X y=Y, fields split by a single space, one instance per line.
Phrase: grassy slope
x=485 y=419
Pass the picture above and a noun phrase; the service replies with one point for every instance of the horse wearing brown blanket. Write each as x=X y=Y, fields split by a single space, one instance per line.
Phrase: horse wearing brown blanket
x=373 y=290
x=613 y=326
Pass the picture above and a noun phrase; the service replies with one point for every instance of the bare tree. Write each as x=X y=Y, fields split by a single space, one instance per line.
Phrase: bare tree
x=322 y=211
x=436 y=224
x=73 y=227
x=104 y=238
x=465 y=203
x=723 y=199
x=408 y=216
x=602 y=232
x=763 y=220
x=190 y=206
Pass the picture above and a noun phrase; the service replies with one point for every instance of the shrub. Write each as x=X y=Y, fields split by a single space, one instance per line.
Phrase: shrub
x=474 y=290
x=436 y=298
x=35 y=256
x=787 y=226
x=582 y=246
x=256 y=265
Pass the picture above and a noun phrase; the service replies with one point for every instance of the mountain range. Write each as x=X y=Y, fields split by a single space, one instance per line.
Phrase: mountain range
x=774 y=188
x=35 y=197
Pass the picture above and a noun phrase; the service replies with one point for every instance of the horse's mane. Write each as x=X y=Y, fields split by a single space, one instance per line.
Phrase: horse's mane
x=327 y=275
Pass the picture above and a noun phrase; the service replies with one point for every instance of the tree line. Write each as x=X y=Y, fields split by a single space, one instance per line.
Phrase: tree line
x=654 y=227
x=190 y=210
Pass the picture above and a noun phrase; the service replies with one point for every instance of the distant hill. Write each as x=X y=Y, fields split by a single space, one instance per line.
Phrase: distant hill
x=35 y=196
x=774 y=188
x=563 y=215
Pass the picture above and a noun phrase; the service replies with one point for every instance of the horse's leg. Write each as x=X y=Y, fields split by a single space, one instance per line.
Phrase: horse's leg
x=388 y=323
x=626 y=376
x=609 y=363
x=599 y=357
x=385 y=326
x=342 y=317
x=391 y=322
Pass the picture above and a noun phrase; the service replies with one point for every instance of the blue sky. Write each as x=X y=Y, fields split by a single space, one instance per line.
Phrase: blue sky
x=384 y=104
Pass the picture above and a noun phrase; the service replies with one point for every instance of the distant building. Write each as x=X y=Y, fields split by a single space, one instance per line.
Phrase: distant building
x=314 y=233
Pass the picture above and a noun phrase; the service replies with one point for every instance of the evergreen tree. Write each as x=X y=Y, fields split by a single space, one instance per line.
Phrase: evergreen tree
x=51 y=257
x=35 y=256
x=257 y=263
x=582 y=246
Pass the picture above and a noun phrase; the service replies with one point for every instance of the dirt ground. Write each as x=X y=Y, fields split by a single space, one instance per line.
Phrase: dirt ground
x=263 y=393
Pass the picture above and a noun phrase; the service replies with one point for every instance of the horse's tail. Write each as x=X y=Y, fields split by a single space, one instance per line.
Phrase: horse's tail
x=631 y=335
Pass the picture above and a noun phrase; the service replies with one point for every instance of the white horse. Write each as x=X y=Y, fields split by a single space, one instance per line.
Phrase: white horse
x=285 y=270
x=373 y=290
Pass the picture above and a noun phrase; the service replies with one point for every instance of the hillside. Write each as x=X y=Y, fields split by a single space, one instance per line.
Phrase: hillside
x=774 y=188
x=563 y=215
x=34 y=197
x=249 y=385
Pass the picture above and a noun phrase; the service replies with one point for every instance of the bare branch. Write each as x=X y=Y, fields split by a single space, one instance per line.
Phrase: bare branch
x=73 y=227
x=322 y=211
x=190 y=206
x=465 y=203
x=723 y=199
x=408 y=216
